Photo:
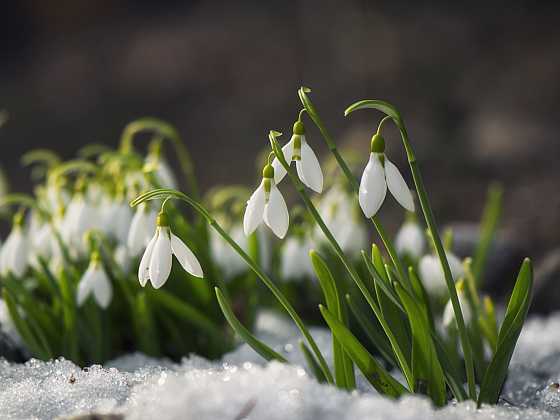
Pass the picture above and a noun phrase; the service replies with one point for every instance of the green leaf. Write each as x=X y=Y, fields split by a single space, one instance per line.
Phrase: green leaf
x=146 y=331
x=381 y=282
x=372 y=331
x=343 y=369
x=380 y=379
x=516 y=313
x=257 y=345
x=426 y=368
x=312 y=363
x=488 y=226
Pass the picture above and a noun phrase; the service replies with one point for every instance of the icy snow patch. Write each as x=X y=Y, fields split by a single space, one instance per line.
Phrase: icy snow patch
x=242 y=386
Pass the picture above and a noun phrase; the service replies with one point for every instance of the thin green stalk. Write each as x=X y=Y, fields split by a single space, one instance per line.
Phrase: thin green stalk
x=340 y=254
x=160 y=193
x=312 y=112
x=390 y=110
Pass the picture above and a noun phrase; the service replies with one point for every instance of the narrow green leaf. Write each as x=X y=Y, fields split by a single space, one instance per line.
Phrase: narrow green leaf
x=372 y=331
x=516 y=313
x=379 y=378
x=146 y=332
x=426 y=367
x=265 y=351
x=312 y=363
x=488 y=226
x=343 y=369
x=381 y=282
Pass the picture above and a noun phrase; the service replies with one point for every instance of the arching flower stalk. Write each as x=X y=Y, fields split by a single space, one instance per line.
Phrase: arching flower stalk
x=267 y=204
x=307 y=164
x=95 y=282
x=157 y=260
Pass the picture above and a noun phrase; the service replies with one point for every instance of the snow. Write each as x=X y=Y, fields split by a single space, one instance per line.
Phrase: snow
x=242 y=386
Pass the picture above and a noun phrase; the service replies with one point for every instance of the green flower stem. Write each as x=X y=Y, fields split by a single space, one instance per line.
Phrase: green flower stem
x=338 y=251
x=311 y=111
x=169 y=132
x=390 y=110
x=161 y=193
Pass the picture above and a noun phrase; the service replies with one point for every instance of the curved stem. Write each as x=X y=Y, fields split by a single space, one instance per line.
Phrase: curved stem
x=354 y=184
x=349 y=267
x=160 y=193
x=391 y=111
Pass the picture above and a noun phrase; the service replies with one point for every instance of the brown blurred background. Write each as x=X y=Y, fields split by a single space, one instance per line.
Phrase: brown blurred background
x=477 y=84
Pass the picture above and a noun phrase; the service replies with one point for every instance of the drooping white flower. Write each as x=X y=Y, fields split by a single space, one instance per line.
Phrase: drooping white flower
x=14 y=256
x=267 y=204
x=410 y=239
x=121 y=220
x=164 y=174
x=340 y=213
x=449 y=319
x=157 y=259
x=95 y=281
x=225 y=257
x=307 y=164
x=295 y=262
x=432 y=274
x=122 y=258
x=80 y=217
x=141 y=229
x=380 y=173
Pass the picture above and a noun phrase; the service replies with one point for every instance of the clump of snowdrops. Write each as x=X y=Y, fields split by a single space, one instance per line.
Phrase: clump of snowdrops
x=409 y=304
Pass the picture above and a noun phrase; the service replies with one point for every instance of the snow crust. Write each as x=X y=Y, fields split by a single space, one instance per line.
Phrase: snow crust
x=242 y=386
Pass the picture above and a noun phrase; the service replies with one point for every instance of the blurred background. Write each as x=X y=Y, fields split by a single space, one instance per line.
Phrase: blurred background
x=478 y=86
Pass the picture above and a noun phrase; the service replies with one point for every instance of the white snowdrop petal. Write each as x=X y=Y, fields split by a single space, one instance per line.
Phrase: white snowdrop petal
x=144 y=268
x=279 y=170
x=276 y=213
x=254 y=211
x=185 y=256
x=410 y=240
x=373 y=187
x=457 y=269
x=102 y=289
x=448 y=318
x=160 y=263
x=309 y=169
x=397 y=186
x=432 y=275
x=85 y=286
x=18 y=254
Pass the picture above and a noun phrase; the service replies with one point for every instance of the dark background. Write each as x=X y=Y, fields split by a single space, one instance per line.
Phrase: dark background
x=478 y=85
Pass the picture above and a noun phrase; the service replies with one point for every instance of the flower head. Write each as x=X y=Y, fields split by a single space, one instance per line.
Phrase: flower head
x=410 y=239
x=295 y=261
x=267 y=204
x=15 y=252
x=380 y=174
x=95 y=281
x=449 y=320
x=432 y=274
x=307 y=164
x=141 y=229
x=157 y=259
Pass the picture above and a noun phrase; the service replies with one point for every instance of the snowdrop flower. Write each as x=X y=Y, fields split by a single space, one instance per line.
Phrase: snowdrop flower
x=80 y=217
x=267 y=204
x=156 y=163
x=15 y=252
x=122 y=258
x=95 y=281
x=295 y=262
x=339 y=213
x=156 y=262
x=410 y=239
x=119 y=219
x=432 y=274
x=141 y=229
x=448 y=319
x=229 y=261
x=380 y=174
x=307 y=164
